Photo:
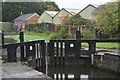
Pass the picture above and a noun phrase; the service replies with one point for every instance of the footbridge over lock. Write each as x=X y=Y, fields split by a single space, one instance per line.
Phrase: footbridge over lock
x=63 y=52
x=55 y=52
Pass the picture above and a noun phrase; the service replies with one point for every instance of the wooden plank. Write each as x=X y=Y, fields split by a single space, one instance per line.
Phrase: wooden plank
x=57 y=52
x=11 y=54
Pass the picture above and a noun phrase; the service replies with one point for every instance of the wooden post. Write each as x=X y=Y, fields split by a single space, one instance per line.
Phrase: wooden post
x=51 y=52
x=11 y=54
x=92 y=49
x=118 y=61
x=92 y=59
x=61 y=53
x=46 y=59
x=78 y=35
x=21 y=37
x=43 y=48
x=2 y=34
x=81 y=28
x=57 y=53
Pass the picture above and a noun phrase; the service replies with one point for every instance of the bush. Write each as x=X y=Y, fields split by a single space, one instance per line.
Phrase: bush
x=63 y=33
x=55 y=36
x=48 y=32
x=6 y=26
x=30 y=27
x=40 y=27
x=88 y=34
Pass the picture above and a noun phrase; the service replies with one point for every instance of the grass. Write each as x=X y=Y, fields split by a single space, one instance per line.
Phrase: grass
x=105 y=45
x=38 y=36
x=31 y=36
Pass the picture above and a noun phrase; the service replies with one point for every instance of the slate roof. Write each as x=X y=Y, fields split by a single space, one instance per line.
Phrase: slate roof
x=51 y=13
x=72 y=11
x=25 y=16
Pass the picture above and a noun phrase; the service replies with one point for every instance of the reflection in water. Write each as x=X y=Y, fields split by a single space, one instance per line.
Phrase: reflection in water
x=84 y=77
x=69 y=76
x=78 y=72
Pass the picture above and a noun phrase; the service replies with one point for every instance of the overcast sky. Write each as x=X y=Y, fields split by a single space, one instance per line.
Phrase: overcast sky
x=79 y=4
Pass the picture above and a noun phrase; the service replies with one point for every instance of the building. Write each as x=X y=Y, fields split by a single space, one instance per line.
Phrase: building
x=47 y=17
x=89 y=12
x=24 y=19
x=64 y=12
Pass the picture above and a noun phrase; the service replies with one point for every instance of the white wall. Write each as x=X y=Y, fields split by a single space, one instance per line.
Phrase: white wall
x=88 y=13
x=58 y=20
x=45 y=18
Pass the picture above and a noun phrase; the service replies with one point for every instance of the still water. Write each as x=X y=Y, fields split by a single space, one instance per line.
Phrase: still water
x=78 y=72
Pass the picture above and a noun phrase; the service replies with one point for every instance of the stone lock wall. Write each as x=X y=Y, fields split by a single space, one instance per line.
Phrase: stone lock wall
x=108 y=62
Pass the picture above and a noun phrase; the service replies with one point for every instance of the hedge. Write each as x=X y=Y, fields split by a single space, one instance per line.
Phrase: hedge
x=6 y=26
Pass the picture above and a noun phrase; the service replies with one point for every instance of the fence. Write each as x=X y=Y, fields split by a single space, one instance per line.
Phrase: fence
x=58 y=52
x=62 y=51
x=32 y=53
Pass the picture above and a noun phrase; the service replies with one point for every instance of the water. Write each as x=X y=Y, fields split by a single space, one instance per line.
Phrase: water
x=78 y=72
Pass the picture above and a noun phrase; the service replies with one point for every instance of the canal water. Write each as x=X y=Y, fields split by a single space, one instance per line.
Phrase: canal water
x=78 y=72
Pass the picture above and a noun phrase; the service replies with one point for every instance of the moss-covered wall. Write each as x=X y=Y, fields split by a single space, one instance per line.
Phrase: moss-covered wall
x=109 y=62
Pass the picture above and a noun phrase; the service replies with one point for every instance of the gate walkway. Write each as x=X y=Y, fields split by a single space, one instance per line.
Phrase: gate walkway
x=17 y=70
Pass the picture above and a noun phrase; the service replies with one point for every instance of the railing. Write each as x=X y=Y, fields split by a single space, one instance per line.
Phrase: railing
x=31 y=53
x=62 y=51
x=59 y=52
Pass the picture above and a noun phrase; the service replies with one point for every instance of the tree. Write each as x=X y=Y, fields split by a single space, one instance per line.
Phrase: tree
x=108 y=21
x=63 y=33
x=72 y=23
x=77 y=20
x=12 y=10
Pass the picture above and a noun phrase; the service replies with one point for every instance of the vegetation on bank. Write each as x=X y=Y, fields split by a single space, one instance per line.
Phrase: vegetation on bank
x=31 y=36
x=106 y=26
x=105 y=45
x=108 y=21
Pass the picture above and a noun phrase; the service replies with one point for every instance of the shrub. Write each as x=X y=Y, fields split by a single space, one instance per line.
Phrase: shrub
x=30 y=27
x=6 y=26
x=63 y=33
x=88 y=34
x=40 y=27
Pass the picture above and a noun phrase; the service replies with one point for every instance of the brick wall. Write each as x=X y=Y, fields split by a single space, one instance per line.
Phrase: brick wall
x=33 y=20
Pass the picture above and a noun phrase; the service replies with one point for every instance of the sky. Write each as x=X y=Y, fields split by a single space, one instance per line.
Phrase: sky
x=78 y=4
